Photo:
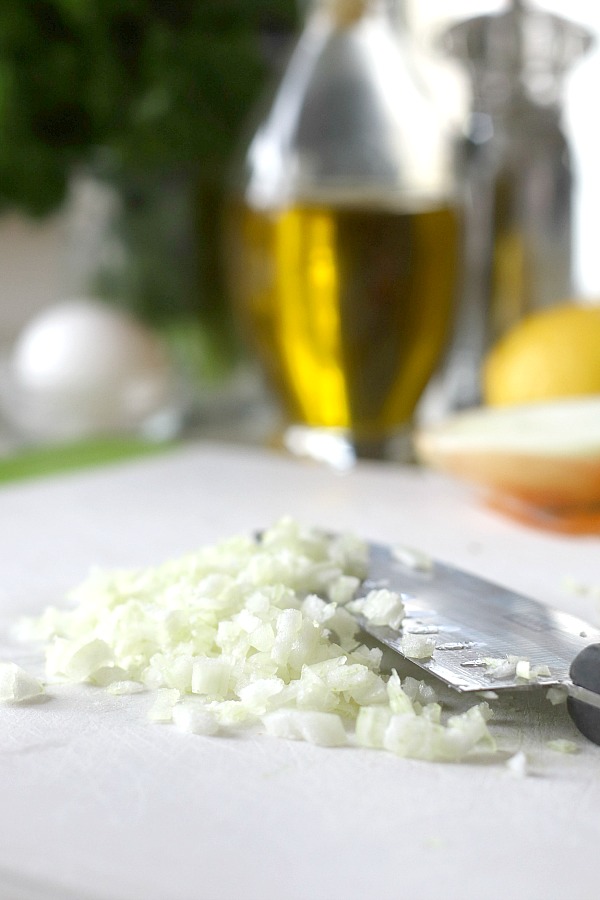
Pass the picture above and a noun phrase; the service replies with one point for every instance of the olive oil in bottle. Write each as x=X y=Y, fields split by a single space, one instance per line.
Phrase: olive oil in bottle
x=343 y=234
x=347 y=307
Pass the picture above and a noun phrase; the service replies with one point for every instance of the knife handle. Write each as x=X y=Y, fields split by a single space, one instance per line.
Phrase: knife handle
x=585 y=673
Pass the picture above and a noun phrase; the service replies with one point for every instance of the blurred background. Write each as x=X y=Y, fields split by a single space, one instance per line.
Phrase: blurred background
x=120 y=121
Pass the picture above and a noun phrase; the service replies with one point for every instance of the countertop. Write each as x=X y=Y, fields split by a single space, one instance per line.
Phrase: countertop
x=97 y=803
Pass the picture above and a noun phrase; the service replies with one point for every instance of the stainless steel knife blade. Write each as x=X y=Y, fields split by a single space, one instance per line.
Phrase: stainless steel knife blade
x=474 y=620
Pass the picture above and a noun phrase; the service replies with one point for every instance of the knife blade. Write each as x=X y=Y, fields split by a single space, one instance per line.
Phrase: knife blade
x=475 y=621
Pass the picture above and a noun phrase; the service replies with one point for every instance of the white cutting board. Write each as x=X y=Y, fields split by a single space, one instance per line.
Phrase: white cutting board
x=98 y=804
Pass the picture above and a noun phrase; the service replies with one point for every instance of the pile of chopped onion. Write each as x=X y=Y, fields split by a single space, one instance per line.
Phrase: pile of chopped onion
x=255 y=632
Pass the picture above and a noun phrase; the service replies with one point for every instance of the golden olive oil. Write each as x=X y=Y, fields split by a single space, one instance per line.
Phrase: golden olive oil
x=348 y=308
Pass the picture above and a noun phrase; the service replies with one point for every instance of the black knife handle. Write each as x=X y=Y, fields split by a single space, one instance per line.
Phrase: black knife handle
x=585 y=672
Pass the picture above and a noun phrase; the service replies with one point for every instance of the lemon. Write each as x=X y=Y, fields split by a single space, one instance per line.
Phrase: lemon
x=549 y=354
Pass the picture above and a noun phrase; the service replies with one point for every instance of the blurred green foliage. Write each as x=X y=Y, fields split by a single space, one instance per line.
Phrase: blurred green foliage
x=157 y=84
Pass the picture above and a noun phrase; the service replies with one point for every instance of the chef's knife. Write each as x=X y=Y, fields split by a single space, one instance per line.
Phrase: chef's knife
x=473 y=620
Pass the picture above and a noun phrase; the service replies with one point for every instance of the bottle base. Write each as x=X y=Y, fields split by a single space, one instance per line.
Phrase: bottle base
x=340 y=449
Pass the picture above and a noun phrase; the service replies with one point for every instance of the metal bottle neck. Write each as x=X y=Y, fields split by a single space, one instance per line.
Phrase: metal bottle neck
x=346 y=13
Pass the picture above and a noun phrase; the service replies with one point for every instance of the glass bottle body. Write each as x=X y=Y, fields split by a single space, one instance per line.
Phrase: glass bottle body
x=515 y=163
x=531 y=224
x=344 y=233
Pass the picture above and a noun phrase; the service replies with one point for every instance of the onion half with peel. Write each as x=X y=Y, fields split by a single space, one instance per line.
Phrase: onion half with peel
x=539 y=462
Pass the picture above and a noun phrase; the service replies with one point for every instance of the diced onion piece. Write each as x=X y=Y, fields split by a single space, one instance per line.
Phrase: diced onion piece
x=517 y=765
x=472 y=726
x=417 y=646
x=125 y=687
x=313 y=692
x=413 y=737
x=351 y=554
x=317 y=609
x=176 y=672
x=500 y=669
x=371 y=725
x=433 y=712
x=413 y=559
x=162 y=708
x=81 y=661
x=256 y=696
x=322 y=728
x=107 y=675
x=211 y=677
x=230 y=713
x=343 y=589
x=523 y=669
x=557 y=695
x=399 y=700
x=562 y=745
x=344 y=626
x=538 y=672
x=383 y=607
x=262 y=638
x=195 y=718
x=358 y=682
x=369 y=656
x=419 y=690
x=17 y=685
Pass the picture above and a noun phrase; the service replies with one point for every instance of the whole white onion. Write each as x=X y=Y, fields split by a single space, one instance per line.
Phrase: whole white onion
x=82 y=368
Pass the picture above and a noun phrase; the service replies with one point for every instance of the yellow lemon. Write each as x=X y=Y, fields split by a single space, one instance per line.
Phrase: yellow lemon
x=554 y=353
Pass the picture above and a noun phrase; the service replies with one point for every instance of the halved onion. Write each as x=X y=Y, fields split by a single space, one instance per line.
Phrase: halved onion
x=539 y=462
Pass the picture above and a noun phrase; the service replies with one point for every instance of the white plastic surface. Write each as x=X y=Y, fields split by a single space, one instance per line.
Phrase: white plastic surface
x=97 y=803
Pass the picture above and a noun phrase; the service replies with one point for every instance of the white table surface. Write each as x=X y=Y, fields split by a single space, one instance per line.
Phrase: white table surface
x=96 y=803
